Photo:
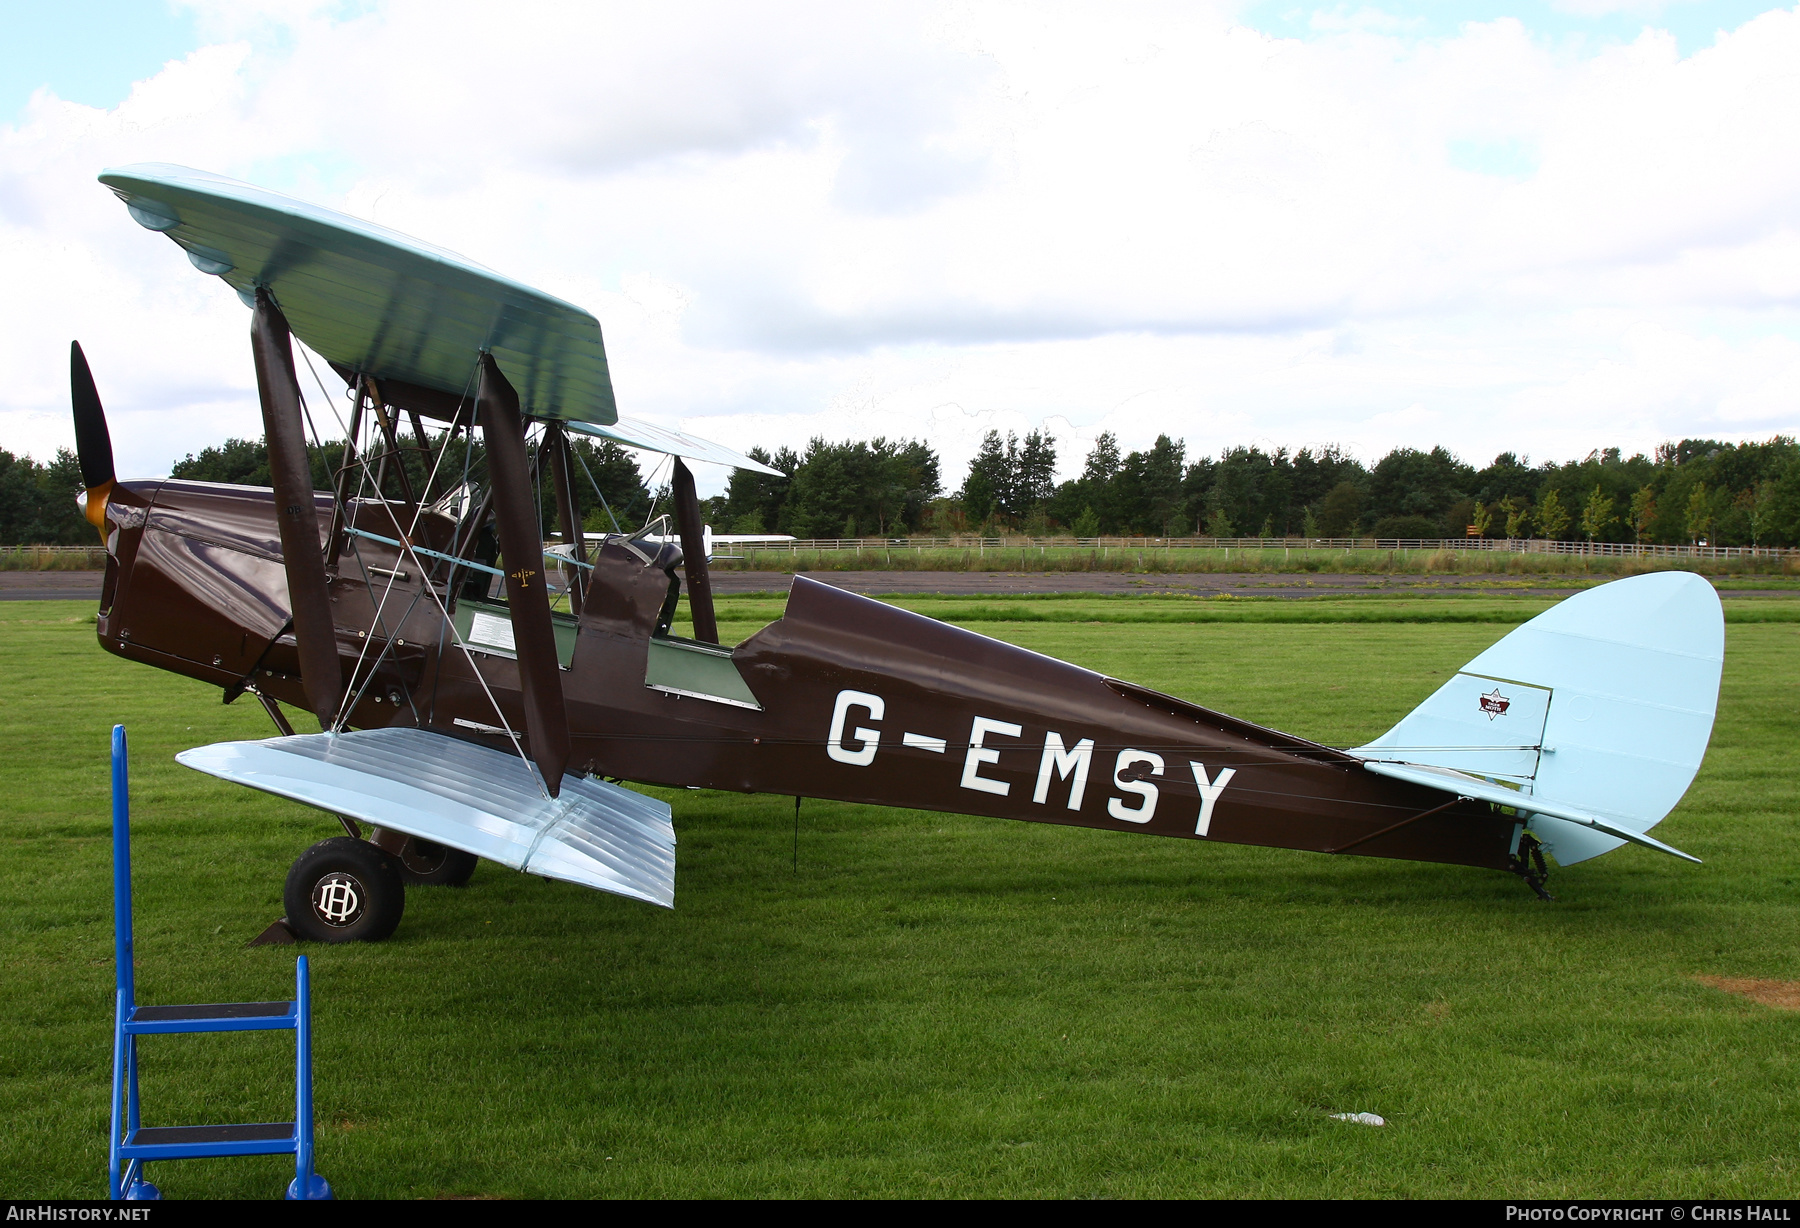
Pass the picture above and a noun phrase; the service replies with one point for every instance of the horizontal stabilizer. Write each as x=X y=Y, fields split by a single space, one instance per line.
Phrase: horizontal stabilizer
x=468 y=797
x=1465 y=785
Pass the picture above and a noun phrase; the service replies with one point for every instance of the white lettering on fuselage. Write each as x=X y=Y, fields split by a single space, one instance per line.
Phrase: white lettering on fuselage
x=1210 y=790
x=863 y=755
x=1146 y=809
x=1057 y=760
x=1062 y=762
x=980 y=754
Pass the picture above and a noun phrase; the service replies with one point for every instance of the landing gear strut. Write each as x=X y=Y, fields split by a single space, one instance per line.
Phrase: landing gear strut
x=1528 y=863
x=424 y=863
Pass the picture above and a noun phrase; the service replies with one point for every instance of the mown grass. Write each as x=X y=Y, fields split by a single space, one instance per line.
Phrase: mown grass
x=928 y=1004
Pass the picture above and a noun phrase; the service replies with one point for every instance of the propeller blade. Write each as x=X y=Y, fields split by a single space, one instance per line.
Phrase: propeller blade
x=93 y=443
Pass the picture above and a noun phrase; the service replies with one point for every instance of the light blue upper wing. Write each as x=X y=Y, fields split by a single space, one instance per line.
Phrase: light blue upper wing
x=375 y=300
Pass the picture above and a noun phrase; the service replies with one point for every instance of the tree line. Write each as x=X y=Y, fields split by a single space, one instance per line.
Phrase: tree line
x=1698 y=490
x=858 y=488
x=1695 y=491
x=37 y=501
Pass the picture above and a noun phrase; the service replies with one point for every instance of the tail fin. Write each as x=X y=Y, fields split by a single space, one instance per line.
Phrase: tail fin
x=1601 y=708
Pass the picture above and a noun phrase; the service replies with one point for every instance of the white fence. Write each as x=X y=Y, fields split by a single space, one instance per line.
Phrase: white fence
x=1341 y=544
x=95 y=549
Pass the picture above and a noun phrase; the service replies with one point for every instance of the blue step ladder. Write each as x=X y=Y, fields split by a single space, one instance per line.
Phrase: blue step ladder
x=133 y=1145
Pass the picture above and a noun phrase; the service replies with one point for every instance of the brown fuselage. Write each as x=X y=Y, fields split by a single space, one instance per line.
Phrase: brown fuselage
x=854 y=699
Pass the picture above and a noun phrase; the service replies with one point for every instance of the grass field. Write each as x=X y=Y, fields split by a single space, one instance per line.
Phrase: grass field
x=930 y=1004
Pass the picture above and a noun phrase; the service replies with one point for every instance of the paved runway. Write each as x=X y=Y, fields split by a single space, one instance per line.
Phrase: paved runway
x=50 y=585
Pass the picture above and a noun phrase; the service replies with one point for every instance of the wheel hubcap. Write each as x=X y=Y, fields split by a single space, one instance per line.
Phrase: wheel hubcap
x=337 y=899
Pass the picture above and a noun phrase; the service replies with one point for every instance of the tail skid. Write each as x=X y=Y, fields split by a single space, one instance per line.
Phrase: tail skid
x=1590 y=720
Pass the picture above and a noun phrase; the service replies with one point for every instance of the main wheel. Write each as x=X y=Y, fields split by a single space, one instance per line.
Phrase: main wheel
x=425 y=863
x=344 y=890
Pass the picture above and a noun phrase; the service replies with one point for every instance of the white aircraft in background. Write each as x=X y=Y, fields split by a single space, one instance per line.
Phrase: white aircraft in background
x=566 y=551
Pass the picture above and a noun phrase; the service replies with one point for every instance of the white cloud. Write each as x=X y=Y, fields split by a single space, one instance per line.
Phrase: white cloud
x=813 y=218
x=1606 y=8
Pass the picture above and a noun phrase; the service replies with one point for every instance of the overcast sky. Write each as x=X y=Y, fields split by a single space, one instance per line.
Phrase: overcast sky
x=1540 y=227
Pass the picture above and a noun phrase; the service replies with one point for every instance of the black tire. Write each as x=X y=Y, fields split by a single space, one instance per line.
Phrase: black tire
x=344 y=890
x=424 y=863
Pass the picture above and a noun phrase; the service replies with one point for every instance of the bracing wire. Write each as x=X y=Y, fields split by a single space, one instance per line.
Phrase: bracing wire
x=598 y=491
x=359 y=691
x=442 y=608
x=537 y=468
x=655 y=491
x=424 y=588
x=380 y=623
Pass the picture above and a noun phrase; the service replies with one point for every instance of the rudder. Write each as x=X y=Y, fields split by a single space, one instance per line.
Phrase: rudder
x=1604 y=703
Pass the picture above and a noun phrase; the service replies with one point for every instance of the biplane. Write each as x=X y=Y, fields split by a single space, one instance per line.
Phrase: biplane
x=462 y=715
